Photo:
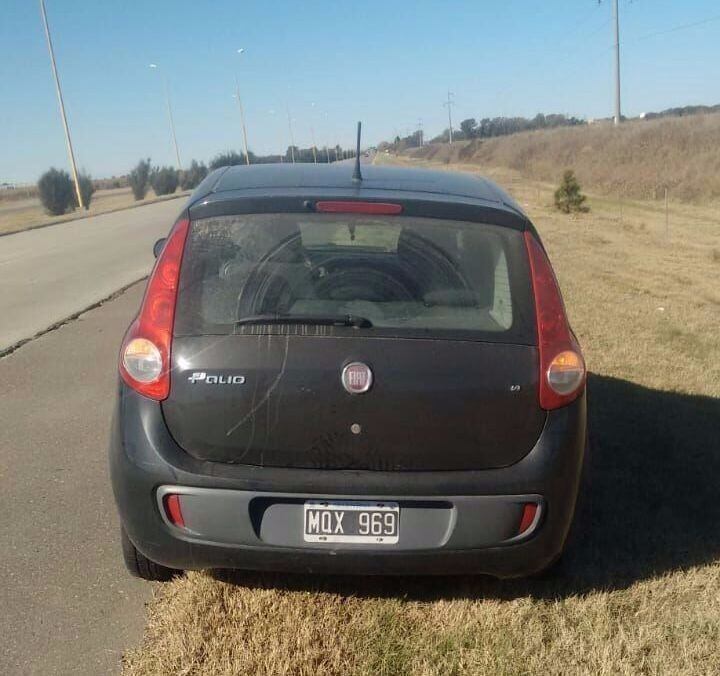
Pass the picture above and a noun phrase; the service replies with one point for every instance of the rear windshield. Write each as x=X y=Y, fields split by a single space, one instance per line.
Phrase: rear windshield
x=401 y=276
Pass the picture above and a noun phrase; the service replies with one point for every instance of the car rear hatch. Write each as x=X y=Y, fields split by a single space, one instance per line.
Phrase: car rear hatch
x=273 y=307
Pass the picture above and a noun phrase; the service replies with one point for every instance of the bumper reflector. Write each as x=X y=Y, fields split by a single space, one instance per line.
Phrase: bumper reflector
x=171 y=503
x=528 y=516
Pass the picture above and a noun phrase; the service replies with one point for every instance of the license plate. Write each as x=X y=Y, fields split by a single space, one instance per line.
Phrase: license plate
x=348 y=521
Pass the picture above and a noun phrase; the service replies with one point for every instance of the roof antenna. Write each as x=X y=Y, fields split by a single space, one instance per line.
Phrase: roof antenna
x=357 y=176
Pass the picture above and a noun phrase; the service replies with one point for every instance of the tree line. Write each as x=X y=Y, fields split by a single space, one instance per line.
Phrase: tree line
x=488 y=127
x=57 y=190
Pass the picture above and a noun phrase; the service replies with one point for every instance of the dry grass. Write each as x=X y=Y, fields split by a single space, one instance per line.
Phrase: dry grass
x=20 y=214
x=639 y=589
x=639 y=159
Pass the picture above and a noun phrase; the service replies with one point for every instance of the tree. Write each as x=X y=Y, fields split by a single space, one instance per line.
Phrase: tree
x=192 y=176
x=87 y=190
x=56 y=191
x=469 y=128
x=164 y=180
x=230 y=158
x=139 y=179
x=568 y=197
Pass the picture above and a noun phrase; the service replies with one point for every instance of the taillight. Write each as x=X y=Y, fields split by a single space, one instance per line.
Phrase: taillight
x=562 y=368
x=355 y=207
x=145 y=351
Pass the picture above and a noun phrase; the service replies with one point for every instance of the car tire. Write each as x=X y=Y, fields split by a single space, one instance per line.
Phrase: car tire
x=140 y=566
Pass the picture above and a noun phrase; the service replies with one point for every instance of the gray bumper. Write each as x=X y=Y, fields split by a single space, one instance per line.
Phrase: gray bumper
x=249 y=517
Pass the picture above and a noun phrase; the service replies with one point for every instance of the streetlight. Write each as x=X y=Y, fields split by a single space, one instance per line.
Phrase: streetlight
x=312 y=133
x=292 y=138
x=327 y=147
x=154 y=66
x=242 y=112
x=68 y=141
x=282 y=155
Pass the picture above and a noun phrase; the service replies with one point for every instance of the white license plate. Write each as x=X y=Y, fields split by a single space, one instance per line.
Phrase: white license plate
x=350 y=521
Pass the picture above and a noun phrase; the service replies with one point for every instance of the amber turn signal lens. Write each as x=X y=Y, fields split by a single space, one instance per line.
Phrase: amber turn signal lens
x=566 y=372
x=142 y=360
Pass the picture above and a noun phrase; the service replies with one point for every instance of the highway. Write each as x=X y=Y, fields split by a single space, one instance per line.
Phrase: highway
x=68 y=605
x=49 y=274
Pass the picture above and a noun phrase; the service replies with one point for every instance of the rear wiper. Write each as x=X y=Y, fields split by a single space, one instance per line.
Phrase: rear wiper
x=315 y=320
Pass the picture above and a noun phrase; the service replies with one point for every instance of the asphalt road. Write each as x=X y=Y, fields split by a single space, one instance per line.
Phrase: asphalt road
x=68 y=605
x=47 y=275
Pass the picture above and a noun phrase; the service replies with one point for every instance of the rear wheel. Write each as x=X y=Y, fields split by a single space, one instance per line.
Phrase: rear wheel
x=140 y=566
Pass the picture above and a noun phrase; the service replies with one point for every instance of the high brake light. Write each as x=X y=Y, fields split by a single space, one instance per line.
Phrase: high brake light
x=145 y=352
x=350 y=207
x=562 y=368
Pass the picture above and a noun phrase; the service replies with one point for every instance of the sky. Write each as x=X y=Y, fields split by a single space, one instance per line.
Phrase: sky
x=388 y=63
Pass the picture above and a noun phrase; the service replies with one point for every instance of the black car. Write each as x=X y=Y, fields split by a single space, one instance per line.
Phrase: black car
x=338 y=375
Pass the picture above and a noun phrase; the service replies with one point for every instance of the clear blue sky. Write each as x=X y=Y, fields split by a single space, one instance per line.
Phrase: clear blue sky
x=388 y=63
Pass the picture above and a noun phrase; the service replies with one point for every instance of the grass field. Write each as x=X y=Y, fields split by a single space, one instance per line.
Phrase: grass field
x=27 y=212
x=638 y=591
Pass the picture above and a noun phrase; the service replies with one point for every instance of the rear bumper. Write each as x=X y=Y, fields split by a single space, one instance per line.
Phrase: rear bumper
x=466 y=520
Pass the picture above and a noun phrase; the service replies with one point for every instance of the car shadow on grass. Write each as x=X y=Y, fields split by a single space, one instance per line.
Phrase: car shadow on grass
x=649 y=505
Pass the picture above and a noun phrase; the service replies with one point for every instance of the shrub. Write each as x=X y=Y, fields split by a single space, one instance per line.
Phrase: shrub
x=139 y=179
x=87 y=190
x=164 y=180
x=192 y=176
x=56 y=191
x=568 y=197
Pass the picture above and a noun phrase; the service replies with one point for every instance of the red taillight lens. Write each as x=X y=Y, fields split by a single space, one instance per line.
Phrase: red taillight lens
x=345 y=207
x=528 y=516
x=173 y=510
x=145 y=352
x=562 y=368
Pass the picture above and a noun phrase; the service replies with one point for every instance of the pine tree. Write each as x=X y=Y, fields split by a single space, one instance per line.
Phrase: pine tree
x=568 y=197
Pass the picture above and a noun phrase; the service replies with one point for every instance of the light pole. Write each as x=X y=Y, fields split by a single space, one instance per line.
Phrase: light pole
x=68 y=141
x=242 y=112
x=282 y=155
x=290 y=129
x=312 y=133
x=449 y=104
x=154 y=66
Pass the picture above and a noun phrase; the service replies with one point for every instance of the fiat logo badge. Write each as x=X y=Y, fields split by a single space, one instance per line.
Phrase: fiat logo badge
x=357 y=377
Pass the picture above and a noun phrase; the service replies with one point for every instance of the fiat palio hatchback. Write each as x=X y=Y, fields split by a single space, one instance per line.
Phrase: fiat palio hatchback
x=355 y=374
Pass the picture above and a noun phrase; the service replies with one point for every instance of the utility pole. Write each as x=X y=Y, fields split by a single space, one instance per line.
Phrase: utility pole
x=449 y=104
x=292 y=139
x=616 y=17
x=420 y=132
x=312 y=136
x=242 y=119
x=68 y=141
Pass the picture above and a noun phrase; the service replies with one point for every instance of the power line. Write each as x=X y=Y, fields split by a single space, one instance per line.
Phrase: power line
x=674 y=29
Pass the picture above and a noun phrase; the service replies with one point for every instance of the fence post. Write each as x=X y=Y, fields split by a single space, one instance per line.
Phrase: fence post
x=667 y=216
